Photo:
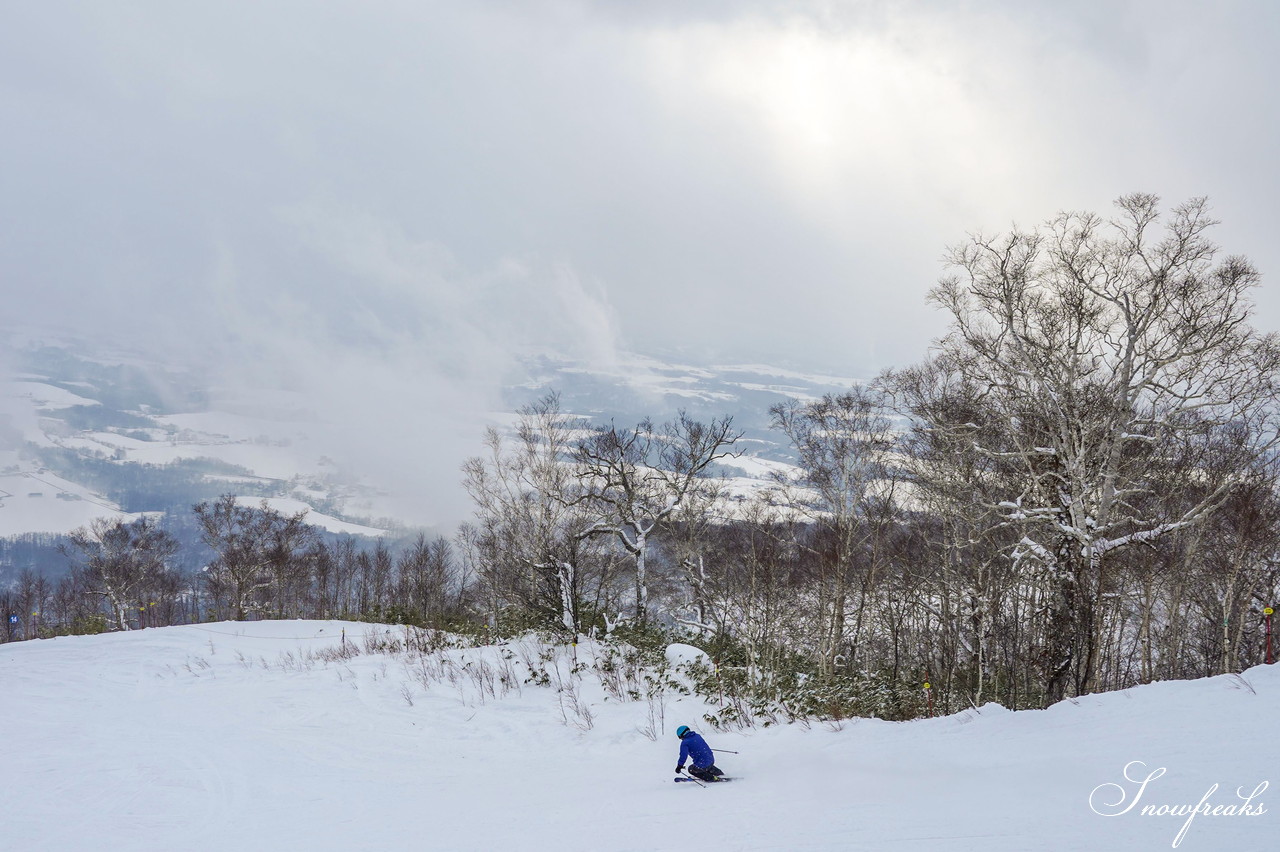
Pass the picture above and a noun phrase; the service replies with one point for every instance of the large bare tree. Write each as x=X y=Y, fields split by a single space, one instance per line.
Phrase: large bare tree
x=117 y=560
x=259 y=551
x=635 y=479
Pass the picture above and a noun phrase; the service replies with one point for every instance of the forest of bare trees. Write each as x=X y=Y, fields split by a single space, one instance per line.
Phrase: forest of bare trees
x=1076 y=491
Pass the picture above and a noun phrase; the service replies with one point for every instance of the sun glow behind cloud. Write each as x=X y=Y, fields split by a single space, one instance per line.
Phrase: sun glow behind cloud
x=832 y=104
x=913 y=112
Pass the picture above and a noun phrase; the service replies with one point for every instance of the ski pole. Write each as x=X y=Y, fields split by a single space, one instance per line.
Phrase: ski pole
x=691 y=778
x=724 y=751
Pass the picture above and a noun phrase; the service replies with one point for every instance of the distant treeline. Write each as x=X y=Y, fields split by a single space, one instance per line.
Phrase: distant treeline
x=151 y=487
x=35 y=552
x=246 y=562
x=118 y=387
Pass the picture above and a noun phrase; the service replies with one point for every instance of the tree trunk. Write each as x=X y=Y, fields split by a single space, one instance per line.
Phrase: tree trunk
x=1063 y=625
x=1090 y=623
x=566 y=576
x=642 y=586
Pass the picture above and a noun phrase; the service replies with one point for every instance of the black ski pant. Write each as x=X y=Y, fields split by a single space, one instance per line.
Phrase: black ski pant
x=707 y=773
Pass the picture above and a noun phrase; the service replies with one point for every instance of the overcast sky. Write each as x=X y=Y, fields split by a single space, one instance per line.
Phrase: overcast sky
x=435 y=185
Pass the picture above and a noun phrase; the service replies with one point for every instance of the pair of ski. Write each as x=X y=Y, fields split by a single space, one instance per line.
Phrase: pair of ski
x=699 y=781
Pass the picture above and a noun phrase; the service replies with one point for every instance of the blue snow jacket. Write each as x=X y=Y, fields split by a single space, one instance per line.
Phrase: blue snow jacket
x=694 y=747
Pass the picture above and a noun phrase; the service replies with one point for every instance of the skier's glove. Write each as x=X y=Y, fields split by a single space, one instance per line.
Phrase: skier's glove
x=679 y=769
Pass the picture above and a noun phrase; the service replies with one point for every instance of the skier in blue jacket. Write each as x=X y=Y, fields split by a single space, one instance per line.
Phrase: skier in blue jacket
x=695 y=749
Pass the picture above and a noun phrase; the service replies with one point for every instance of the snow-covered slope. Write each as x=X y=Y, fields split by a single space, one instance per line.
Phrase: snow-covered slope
x=262 y=736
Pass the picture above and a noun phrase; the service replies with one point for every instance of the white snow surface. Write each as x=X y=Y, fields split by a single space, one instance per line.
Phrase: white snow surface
x=40 y=395
x=760 y=468
x=678 y=653
x=290 y=506
x=38 y=501
x=234 y=736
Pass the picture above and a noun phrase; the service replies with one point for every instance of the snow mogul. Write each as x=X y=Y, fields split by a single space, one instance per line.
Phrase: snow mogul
x=695 y=749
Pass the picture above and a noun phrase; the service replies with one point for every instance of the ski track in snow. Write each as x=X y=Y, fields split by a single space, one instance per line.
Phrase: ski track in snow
x=206 y=737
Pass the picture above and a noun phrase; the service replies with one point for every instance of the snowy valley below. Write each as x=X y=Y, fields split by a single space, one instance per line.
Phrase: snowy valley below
x=88 y=432
x=332 y=736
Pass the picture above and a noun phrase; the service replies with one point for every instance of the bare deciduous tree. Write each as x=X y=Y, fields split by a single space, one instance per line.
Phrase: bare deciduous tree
x=428 y=577
x=635 y=479
x=532 y=525
x=117 y=560
x=259 y=549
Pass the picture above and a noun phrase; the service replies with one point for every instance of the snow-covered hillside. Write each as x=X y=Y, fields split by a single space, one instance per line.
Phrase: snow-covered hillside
x=266 y=736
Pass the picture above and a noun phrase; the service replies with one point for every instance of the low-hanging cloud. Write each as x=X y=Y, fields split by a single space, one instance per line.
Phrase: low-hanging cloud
x=396 y=349
x=384 y=203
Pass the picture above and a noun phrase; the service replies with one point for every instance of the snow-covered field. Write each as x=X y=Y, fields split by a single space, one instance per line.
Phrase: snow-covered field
x=42 y=502
x=244 y=736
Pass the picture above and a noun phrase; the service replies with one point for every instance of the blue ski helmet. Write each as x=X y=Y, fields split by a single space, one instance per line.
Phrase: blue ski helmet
x=681 y=731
